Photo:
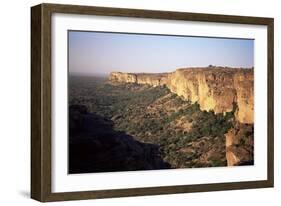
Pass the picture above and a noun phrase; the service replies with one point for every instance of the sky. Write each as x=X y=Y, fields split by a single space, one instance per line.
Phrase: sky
x=99 y=53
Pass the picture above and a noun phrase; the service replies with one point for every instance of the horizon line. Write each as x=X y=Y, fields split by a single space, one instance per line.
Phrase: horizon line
x=181 y=68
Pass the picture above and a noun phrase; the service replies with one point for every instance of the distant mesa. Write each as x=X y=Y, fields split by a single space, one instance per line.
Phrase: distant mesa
x=218 y=89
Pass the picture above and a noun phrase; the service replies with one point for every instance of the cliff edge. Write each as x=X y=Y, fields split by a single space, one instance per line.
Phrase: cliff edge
x=217 y=88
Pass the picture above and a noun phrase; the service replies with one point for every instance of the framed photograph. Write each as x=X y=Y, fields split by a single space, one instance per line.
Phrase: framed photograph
x=130 y=102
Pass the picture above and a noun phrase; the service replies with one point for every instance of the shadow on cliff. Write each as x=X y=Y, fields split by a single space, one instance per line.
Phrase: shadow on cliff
x=94 y=146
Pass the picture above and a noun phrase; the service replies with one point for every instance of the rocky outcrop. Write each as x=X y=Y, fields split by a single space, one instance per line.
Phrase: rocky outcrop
x=140 y=78
x=219 y=89
x=240 y=145
x=244 y=85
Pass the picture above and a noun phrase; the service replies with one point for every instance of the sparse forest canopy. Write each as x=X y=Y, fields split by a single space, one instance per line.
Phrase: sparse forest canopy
x=155 y=115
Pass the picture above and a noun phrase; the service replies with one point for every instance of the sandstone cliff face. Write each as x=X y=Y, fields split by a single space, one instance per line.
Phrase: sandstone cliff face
x=240 y=145
x=141 y=78
x=217 y=89
x=244 y=84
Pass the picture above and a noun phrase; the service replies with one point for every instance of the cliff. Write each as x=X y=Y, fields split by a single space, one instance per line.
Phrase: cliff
x=239 y=145
x=219 y=89
x=214 y=88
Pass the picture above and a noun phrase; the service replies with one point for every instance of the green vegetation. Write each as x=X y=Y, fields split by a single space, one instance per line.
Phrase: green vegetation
x=110 y=100
x=187 y=136
x=209 y=124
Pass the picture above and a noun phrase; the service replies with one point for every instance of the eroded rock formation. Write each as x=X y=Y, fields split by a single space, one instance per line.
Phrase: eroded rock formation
x=217 y=89
x=239 y=142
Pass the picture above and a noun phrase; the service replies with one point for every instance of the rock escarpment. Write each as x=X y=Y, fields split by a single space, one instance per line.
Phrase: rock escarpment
x=218 y=89
x=239 y=142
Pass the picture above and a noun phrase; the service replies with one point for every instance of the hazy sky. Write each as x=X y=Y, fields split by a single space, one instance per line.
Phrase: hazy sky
x=101 y=53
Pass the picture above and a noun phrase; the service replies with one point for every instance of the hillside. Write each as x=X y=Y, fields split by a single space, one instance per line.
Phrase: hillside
x=219 y=89
x=185 y=135
x=94 y=146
